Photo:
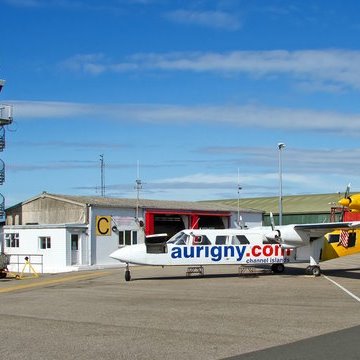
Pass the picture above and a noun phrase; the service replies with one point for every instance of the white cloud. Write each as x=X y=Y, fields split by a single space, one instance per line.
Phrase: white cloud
x=201 y=186
x=327 y=69
x=213 y=19
x=305 y=160
x=244 y=116
x=87 y=63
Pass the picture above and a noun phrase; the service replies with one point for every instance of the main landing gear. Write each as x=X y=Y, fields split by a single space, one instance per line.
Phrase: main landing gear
x=313 y=270
x=277 y=268
x=315 y=256
x=127 y=273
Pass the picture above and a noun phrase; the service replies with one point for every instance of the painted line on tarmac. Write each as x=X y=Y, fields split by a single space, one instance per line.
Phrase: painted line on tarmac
x=342 y=288
x=42 y=283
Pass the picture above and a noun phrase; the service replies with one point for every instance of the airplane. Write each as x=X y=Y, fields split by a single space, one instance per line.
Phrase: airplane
x=269 y=245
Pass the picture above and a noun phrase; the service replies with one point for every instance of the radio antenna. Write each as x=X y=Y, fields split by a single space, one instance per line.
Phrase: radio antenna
x=138 y=187
x=102 y=172
x=238 y=197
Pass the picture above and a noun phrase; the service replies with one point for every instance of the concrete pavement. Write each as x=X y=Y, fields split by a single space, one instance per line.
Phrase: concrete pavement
x=161 y=314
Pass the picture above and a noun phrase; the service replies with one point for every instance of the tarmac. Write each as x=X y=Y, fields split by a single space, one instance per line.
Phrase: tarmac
x=162 y=314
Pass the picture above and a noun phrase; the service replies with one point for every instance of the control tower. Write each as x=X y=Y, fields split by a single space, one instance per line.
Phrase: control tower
x=5 y=119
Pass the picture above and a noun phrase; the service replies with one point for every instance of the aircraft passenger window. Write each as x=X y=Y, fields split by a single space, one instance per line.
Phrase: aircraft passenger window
x=220 y=240
x=333 y=238
x=240 y=240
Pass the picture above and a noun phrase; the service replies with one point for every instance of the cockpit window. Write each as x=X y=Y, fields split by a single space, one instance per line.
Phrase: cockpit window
x=240 y=240
x=200 y=240
x=179 y=239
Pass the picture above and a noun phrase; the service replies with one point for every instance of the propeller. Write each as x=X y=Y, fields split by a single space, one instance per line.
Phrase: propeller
x=345 y=201
x=240 y=223
x=274 y=235
x=272 y=222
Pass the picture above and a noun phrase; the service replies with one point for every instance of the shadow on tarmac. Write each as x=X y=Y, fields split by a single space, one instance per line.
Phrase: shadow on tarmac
x=343 y=273
x=343 y=344
x=351 y=273
x=251 y=275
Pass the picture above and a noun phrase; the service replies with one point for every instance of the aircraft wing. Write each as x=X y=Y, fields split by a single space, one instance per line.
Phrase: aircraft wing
x=320 y=229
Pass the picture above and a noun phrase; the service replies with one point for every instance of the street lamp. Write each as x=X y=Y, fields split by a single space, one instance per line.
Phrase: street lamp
x=281 y=146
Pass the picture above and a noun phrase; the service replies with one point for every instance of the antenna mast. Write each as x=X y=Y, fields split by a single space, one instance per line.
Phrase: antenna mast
x=238 y=199
x=102 y=171
x=138 y=187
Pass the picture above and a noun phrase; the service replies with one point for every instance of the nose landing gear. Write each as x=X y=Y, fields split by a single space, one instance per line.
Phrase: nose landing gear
x=127 y=273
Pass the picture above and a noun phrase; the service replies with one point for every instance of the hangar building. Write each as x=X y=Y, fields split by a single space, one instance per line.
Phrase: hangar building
x=298 y=209
x=64 y=233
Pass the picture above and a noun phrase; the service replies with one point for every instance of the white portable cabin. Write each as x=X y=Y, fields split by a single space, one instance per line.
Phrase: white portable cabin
x=49 y=248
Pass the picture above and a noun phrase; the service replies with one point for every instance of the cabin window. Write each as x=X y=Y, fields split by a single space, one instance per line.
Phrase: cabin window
x=44 y=242
x=240 y=240
x=127 y=237
x=335 y=238
x=220 y=240
x=12 y=240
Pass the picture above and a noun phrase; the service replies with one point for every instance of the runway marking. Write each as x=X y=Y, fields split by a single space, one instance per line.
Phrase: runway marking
x=342 y=288
x=40 y=283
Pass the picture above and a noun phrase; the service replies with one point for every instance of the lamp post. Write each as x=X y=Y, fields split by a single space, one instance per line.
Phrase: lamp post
x=281 y=146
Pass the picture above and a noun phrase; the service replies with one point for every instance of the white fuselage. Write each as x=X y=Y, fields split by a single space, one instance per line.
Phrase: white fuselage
x=208 y=247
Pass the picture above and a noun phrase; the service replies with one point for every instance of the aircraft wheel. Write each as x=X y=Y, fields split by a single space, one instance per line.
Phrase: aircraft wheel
x=308 y=270
x=277 y=268
x=316 y=271
x=2 y=274
x=127 y=275
x=313 y=270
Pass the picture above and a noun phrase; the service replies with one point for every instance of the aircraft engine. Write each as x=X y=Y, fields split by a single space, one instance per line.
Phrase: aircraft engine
x=274 y=236
x=288 y=237
x=351 y=202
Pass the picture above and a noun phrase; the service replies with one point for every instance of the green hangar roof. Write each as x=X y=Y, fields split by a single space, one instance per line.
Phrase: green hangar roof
x=294 y=204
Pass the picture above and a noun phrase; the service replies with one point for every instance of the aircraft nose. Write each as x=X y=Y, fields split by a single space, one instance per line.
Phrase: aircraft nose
x=119 y=254
x=344 y=202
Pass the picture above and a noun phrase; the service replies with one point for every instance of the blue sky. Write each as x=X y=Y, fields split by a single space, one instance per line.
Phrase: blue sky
x=199 y=93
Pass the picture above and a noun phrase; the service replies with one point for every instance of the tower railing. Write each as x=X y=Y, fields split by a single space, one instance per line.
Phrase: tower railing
x=6 y=117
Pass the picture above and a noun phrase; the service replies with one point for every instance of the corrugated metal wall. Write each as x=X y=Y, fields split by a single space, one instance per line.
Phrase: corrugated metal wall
x=298 y=218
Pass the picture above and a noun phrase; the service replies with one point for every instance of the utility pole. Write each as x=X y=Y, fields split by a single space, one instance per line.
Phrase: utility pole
x=281 y=146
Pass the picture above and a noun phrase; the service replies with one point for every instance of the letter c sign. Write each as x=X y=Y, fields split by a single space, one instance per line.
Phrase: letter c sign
x=103 y=225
